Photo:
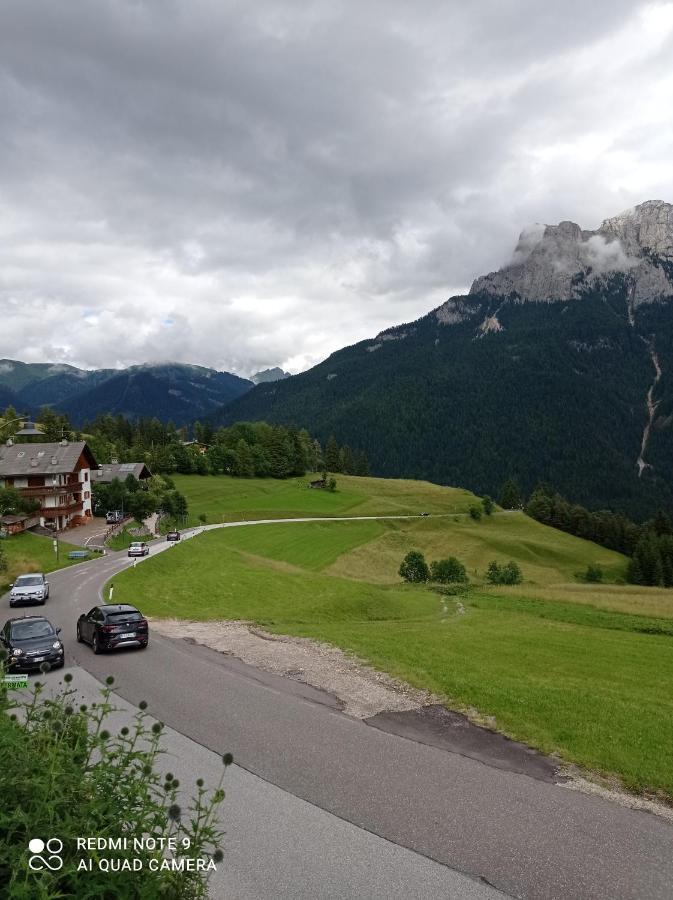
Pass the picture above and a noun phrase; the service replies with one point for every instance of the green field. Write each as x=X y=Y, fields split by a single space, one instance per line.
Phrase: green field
x=576 y=669
x=226 y=499
x=32 y=553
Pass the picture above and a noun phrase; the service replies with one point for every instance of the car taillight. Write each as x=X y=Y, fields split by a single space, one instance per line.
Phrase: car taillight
x=108 y=628
x=142 y=623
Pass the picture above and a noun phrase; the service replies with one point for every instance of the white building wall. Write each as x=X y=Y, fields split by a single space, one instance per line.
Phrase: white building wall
x=85 y=478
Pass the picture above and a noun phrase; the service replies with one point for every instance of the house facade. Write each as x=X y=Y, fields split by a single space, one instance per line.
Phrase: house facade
x=55 y=475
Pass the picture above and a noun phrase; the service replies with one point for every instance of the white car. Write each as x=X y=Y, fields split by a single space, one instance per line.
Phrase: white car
x=138 y=548
x=33 y=588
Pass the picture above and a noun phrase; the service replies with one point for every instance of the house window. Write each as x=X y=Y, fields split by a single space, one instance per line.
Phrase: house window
x=86 y=476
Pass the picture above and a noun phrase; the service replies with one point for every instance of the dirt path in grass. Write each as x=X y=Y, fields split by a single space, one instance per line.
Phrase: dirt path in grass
x=362 y=691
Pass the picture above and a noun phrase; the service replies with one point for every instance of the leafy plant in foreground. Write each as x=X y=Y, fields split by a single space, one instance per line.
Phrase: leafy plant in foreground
x=65 y=775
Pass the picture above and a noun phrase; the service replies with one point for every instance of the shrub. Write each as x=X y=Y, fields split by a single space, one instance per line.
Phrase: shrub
x=414 y=568
x=510 y=573
x=64 y=775
x=488 y=505
x=448 y=571
x=475 y=513
x=593 y=574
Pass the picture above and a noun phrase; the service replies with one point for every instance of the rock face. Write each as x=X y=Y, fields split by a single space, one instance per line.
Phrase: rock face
x=556 y=262
x=269 y=375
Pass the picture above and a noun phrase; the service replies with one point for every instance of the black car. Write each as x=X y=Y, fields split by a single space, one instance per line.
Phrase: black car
x=173 y=536
x=31 y=641
x=113 y=625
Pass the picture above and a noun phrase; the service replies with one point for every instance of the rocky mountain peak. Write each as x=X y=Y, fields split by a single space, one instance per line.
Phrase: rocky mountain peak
x=648 y=226
x=555 y=262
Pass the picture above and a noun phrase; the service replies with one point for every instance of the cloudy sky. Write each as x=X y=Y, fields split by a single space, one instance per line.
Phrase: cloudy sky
x=246 y=184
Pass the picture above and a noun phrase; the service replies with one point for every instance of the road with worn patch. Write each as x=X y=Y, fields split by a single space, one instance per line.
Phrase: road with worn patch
x=476 y=812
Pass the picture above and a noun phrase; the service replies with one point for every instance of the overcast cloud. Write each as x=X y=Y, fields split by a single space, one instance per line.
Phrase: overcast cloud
x=250 y=184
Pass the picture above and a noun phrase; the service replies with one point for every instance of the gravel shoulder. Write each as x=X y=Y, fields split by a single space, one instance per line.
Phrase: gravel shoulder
x=362 y=692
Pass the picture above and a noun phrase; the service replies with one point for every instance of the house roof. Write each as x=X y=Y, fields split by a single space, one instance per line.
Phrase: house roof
x=42 y=459
x=109 y=471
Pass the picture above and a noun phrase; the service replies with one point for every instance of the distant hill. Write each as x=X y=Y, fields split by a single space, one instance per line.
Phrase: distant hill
x=181 y=393
x=558 y=367
x=269 y=375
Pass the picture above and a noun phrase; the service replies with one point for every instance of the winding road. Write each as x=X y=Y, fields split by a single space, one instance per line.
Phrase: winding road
x=321 y=805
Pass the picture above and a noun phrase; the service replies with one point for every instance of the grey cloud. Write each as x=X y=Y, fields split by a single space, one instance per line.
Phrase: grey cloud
x=282 y=179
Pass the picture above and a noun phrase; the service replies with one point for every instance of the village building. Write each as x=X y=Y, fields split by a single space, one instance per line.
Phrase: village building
x=107 y=472
x=57 y=476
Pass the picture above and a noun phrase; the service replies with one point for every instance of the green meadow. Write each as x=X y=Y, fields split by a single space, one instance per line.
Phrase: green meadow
x=583 y=671
x=225 y=499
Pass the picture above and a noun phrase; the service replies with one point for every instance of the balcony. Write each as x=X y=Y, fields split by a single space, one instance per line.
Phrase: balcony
x=50 y=512
x=48 y=490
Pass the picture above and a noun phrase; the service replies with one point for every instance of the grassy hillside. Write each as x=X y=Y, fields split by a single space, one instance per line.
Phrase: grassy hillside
x=32 y=553
x=226 y=499
x=582 y=670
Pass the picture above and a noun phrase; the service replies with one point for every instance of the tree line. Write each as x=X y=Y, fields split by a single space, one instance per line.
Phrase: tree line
x=245 y=449
x=649 y=544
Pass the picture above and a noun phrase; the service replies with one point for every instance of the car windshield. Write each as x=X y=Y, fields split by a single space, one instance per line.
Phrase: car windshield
x=136 y=544
x=132 y=616
x=27 y=580
x=24 y=631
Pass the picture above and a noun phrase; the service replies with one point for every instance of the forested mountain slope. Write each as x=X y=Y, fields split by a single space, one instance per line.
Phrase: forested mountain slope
x=557 y=367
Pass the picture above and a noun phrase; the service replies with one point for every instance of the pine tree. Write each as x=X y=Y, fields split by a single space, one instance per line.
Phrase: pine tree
x=510 y=497
x=244 y=466
x=332 y=455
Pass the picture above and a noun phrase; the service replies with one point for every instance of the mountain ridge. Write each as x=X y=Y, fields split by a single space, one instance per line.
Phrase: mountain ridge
x=556 y=367
x=176 y=391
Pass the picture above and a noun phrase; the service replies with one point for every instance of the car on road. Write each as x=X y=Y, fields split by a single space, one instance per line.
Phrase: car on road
x=424 y=514
x=114 y=516
x=173 y=536
x=31 y=641
x=110 y=626
x=138 y=548
x=29 y=589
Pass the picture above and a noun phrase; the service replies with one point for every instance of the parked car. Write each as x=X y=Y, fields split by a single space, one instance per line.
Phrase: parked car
x=29 y=589
x=109 y=626
x=173 y=536
x=114 y=516
x=138 y=548
x=424 y=514
x=31 y=641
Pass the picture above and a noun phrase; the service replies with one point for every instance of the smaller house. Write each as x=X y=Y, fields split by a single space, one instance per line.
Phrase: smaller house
x=196 y=445
x=107 y=472
x=15 y=524
x=318 y=484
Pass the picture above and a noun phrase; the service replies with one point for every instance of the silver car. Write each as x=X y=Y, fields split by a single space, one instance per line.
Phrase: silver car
x=138 y=548
x=29 y=589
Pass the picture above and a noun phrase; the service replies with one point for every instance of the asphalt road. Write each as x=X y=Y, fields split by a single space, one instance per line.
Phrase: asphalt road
x=523 y=835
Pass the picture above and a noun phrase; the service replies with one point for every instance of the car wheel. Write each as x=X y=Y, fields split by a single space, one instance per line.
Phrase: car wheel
x=79 y=634
x=144 y=646
x=95 y=646
x=42 y=601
